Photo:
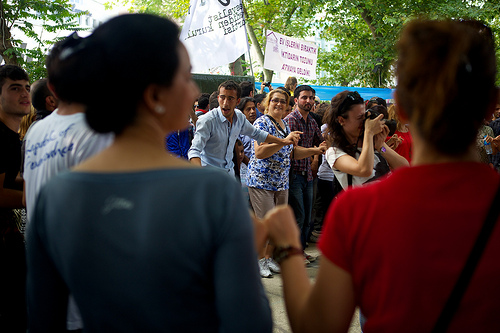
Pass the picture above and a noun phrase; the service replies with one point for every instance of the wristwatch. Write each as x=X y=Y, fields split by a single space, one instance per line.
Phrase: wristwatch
x=382 y=149
x=282 y=252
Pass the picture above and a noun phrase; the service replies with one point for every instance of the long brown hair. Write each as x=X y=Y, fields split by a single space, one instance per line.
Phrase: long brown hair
x=340 y=106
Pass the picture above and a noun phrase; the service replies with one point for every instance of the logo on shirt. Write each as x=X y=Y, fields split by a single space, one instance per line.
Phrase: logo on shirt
x=115 y=203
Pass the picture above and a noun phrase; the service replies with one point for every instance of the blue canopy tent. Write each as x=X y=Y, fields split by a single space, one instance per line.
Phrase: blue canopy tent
x=326 y=93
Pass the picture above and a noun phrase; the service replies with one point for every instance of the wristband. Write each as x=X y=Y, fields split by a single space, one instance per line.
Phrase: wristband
x=283 y=252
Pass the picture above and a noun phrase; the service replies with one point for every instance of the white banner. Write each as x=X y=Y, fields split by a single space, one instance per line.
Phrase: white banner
x=214 y=33
x=290 y=55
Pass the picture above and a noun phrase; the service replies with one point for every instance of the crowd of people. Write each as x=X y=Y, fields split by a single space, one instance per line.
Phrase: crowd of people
x=146 y=212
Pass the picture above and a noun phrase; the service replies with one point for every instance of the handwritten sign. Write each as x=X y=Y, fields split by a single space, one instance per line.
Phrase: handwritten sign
x=214 y=33
x=290 y=55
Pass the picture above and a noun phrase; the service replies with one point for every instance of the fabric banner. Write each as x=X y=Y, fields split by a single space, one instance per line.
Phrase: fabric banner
x=214 y=33
x=290 y=55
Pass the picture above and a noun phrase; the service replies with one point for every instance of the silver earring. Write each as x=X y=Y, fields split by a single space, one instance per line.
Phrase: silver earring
x=159 y=109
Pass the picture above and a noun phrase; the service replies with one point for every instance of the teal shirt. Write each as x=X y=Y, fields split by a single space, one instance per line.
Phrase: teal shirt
x=155 y=251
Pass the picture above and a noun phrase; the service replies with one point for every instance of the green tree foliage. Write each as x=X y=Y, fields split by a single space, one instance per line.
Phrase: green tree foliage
x=293 y=18
x=33 y=18
x=175 y=9
x=365 y=33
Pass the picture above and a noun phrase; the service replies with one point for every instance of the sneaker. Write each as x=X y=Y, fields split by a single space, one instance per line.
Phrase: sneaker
x=309 y=257
x=306 y=262
x=314 y=238
x=264 y=270
x=273 y=266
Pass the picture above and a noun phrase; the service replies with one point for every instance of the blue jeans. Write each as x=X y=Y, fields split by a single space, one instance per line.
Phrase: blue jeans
x=300 y=197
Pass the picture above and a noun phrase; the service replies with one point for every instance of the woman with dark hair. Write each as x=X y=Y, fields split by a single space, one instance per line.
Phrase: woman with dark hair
x=400 y=261
x=358 y=152
x=108 y=232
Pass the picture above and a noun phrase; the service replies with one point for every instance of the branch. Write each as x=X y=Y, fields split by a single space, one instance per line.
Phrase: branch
x=369 y=21
x=14 y=18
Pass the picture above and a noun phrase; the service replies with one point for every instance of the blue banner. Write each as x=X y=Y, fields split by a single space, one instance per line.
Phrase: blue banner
x=326 y=93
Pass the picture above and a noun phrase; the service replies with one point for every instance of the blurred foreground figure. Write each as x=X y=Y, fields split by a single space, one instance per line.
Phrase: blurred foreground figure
x=108 y=232
x=398 y=254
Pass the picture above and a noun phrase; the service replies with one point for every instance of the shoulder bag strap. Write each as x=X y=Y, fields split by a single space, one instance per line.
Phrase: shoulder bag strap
x=462 y=283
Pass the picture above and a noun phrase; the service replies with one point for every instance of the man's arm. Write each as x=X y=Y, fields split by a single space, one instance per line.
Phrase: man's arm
x=10 y=198
x=195 y=161
x=199 y=142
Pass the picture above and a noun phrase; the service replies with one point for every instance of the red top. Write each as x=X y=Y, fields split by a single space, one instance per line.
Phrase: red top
x=404 y=241
x=405 y=148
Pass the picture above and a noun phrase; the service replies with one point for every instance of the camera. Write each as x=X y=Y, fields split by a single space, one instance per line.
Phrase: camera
x=267 y=84
x=390 y=123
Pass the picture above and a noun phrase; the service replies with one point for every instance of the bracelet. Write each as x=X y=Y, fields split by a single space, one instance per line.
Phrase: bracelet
x=283 y=252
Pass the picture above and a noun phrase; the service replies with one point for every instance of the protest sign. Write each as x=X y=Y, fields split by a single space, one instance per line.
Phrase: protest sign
x=290 y=55
x=214 y=33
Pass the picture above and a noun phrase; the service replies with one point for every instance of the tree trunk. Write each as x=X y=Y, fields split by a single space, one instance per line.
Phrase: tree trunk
x=6 y=41
x=268 y=74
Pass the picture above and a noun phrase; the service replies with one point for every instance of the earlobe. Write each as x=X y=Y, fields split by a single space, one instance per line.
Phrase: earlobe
x=150 y=97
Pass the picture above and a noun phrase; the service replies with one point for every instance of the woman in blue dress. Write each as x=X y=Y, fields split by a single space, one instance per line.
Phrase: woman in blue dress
x=269 y=167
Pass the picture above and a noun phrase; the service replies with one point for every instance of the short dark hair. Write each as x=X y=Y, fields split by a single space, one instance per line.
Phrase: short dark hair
x=230 y=85
x=259 y=98
x=39 y=93
x=380 y=109
x=301 y=88
x=203 y=101
x=74 y=64
x=285 y=90
x=244 y=102
x=213 y=101
x=246 y=88
x=376 y=100
x=12 y=72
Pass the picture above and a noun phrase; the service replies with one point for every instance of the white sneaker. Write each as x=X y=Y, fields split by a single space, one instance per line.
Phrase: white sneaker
x=264 y=270
x=273 y=266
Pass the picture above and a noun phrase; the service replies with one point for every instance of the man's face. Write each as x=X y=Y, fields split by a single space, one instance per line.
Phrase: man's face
x=305 y=100
x=497 y=111
x=250 y=112
x=227 y=102
x=15 y=98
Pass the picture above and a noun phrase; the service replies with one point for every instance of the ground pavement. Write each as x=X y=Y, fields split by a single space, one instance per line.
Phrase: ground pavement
x=274 y=291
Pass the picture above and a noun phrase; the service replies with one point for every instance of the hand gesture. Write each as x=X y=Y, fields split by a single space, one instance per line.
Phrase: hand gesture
x=375 y=126
x=293 y=138
x=379 y=138
x=323 y=147
x=394 y=141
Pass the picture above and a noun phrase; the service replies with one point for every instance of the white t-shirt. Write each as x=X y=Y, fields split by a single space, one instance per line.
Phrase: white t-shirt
x=54 y=144
x=333 y=153
x=325 y=170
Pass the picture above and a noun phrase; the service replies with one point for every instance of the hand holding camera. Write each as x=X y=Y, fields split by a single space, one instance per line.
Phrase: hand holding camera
x=374 y=124
x=391 y=124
